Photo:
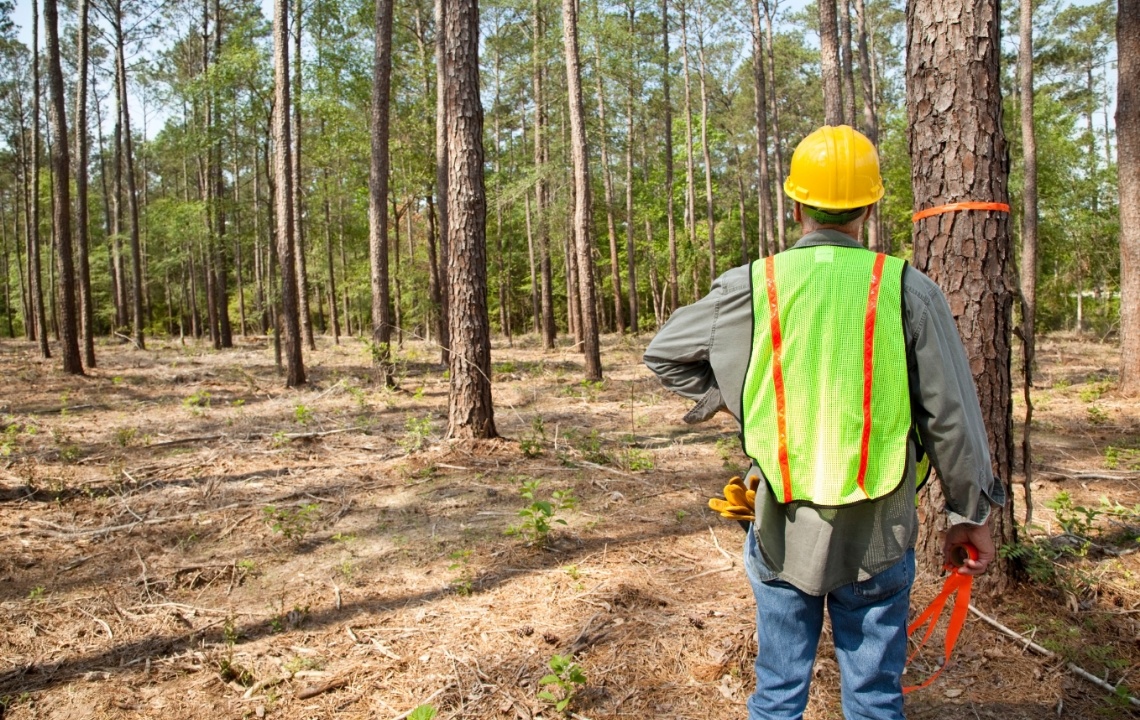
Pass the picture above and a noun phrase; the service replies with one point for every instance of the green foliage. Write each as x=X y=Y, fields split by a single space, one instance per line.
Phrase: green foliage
x=423 y=712
x=302 y=414
x=417 y=433
x=125 y=436
x=293 y=524
x=532 y=442
x=568 y=679
x=539 y=516
x=197 y=402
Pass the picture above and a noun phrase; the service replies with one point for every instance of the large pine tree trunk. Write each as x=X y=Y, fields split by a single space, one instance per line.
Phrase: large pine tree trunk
x=283 y=171
x=378 y=195
x=61 y=197
x=82 y=241
x=829 y=63
x=470 y=411
x=1128 y=169
x=1028 y=243
x=958 y=154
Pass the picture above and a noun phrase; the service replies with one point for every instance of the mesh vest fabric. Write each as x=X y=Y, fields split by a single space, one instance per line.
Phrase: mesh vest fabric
x=826 y=407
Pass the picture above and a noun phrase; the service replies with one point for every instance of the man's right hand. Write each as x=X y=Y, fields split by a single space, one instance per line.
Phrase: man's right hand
x=976 y=535
x=710 y=404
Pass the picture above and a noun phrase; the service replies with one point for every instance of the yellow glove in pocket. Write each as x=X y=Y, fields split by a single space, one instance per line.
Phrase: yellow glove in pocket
x=739 y=501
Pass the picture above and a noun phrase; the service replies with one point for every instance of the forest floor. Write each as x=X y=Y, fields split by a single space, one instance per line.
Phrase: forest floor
x=182 y=537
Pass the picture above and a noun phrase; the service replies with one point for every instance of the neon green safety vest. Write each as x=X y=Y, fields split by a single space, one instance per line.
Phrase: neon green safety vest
x=826 y=406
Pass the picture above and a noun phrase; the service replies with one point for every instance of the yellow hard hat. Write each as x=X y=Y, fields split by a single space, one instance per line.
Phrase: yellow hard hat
x=835 y=168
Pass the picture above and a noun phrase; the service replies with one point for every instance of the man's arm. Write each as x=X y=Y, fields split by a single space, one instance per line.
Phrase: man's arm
x=679 y=354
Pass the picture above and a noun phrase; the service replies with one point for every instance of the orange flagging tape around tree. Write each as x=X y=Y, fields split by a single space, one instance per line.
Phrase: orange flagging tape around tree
x=954 y=207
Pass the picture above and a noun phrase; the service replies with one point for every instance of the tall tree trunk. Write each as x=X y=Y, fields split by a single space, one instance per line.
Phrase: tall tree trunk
x=470 y=411
x=674 y=292
x=958 y=154
x=225 y=330
x=441 y=179
x=875 y=239
x=87 y=308
x=709 y=214
x=845 y=58
x=777 y=142
x=630 y=259
x=1128 y=169
x=61 y=201
x=35 y=273
x=580 y=157
x=129 y=169
x=829 y=63
x=549 y=330
x=283 y=170
x=330 y=271
x=608 y=186
x=500 y=243
x=690 y=180
x=298 y=188
x=378 y=196
x=760 y=109
x=1028 y=244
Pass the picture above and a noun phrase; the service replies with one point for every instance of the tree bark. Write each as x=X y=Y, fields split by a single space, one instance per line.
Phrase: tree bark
x=690 y=174
x=829 y=63
x=541 y=156
x=82 y=241
x=378 y=196
x=132 y=192
x=1028 y=244
x=283 y=170
x=1128 y=169
x=845 y=58
x=630 y=259
x=470 y=411
x=608 y=187
x=35 y=272
x=958 y=153
x=777 y=142
x=760 y=108
x=61 y=201
x=875 y=239
x=441 y=180
x=298 y=188
x=674 y=292
x=706 y=155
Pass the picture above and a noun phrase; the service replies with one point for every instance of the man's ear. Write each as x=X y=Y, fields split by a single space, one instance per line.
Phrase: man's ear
x=797 y=213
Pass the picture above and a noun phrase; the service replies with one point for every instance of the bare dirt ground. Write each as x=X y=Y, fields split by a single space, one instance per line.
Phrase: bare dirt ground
x=181 y=537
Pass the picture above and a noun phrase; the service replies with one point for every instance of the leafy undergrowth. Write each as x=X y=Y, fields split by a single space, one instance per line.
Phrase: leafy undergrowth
x=182 y=537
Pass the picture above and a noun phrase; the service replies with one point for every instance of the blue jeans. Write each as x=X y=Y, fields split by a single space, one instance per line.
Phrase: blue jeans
x=868 y=623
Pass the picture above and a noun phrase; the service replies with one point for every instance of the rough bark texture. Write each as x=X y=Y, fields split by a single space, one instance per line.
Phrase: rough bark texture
x=61 y=197
x=608 y=188
x=1128 y=169
x=137 y=319
x=870 y=117
x=674 y=297
x=845 y=56
x=378 y=194
x=958 y=153
x=283 y=166
x=549 y=331
x=580 y=158
x=441 y=176
x=82 y=241
x=829 y=63
x=470 y=412
x=777 y=142
x=35 y=271
x=1028 y=243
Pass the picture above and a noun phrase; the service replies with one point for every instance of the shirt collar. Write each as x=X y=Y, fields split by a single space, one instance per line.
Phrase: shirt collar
x=827 y=237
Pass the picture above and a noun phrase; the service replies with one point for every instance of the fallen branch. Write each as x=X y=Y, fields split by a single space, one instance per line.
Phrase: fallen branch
x=310 y=691
x=262 y=684
x=714 y=571
x=183 y=441
x=1079 y=671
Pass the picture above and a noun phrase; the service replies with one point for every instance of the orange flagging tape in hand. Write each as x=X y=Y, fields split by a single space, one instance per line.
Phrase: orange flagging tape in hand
x=954 y=207
x=958 y=586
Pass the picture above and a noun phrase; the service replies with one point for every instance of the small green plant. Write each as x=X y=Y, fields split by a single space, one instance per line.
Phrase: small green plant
x=63 y=398
x=423 y=712
x=567 y=676
x=636 y=460
x=419 y=393
x=346 y=569
x=294 y=523
x=230 y=633
x=125 y=436
x=730 y=454
x=8 y=441
x=302 y=414
x=37 y=593
x=539 y=516
x=418 y=432
x=680 y=514
x=1097 y=415
x=279 y=439
x=1095 y=391
x=117 y=380
x=197 y=402
x=592 y=449
x=358 y=396
x=531 y=443
x=573 y=571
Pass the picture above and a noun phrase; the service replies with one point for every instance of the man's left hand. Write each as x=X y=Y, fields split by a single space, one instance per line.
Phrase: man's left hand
x=976 y=535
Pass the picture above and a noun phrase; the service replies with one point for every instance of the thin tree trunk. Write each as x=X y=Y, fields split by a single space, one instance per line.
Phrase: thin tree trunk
x=500 y=261
x=441 y=180
x=760 y=109
x=777 y=142
x=535 y=302
x=549 y=331
x=35 y=274
x=61 y=198
x=690 y=182
x=398 y=322
x=1028 y=244
x=630 y=259
x=875 y=239
x=674 y=293
x=709 y=214
x=1128 y=169
x=298 y=187
x=226 y=335
x=330 y=271
x=954 y=46
x=132 y=193
x=87 y=311
x=608 y=187
x=470 y=411
x=378 y=194
x=845 y=57
x=283 y=166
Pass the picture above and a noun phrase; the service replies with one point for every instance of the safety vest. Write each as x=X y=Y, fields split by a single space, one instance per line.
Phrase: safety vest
x=826 y=405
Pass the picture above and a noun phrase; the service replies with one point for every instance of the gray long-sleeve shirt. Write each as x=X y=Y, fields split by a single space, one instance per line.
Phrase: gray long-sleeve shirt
x=702 y=353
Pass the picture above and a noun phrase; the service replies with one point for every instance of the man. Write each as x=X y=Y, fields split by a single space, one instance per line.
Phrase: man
x=843 y=367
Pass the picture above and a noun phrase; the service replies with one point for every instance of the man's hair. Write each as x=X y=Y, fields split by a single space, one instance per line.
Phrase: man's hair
x=833 y=217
